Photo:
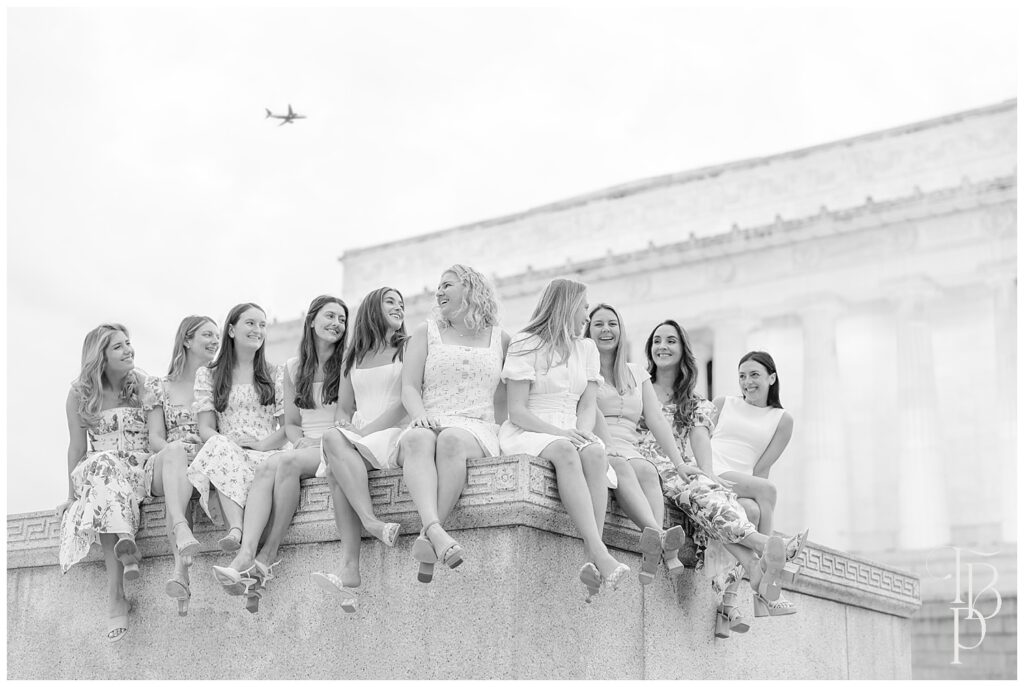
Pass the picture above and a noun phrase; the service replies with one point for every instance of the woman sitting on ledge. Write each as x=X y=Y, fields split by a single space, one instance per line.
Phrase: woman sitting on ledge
x=109 y=471
x=239 y=401
x=174 y=437
x=451 y=388
x=369 y=419
x=552 y=375
x=690 y=483
x=311 y=383
x=623 y=397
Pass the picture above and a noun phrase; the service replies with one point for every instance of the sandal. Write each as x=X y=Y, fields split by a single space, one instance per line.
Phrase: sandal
x=332 y=584
x=231 y=543
x=671 y=541
x=728 y=618
x=772 y=562
x=763 y=607
x=590 y=576
x=796 y=544
x=127 y=552
x=613 y=578
x=452 y=556
x=265 y=573
x=423 y=551
x=234 y=582
x=178 y=588
x=650 y=554
x=185 y=542
x=252 y=597
x=390 y=534
x=118 y=626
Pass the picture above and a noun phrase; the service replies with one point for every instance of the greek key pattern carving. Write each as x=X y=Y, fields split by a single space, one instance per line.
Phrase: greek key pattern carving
x=846 y=571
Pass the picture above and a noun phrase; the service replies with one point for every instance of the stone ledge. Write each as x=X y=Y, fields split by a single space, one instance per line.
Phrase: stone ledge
x=501 y=491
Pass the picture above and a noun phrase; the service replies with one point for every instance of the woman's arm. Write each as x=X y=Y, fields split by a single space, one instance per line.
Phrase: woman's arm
x=783 y=433
x=389 y=418
x=412 y=379
x=292 y=416
x=601 y=430
x=207 y=423
x=77 y=446
x=272 y=441
x=346 y=404
x=501 y=391
x=520 y=415
x=157 y=429
x=586 y=409
x=658 y=425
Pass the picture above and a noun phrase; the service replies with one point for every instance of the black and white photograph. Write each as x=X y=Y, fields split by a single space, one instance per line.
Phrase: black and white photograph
x=567 y=341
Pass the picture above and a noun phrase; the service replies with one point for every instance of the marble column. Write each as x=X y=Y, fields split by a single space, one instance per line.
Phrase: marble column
x=918 y=463
x=826 y=471
x=729 y=345
x=1004 y=408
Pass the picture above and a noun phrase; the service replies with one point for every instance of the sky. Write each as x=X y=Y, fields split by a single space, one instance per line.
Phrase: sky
x=144 y=182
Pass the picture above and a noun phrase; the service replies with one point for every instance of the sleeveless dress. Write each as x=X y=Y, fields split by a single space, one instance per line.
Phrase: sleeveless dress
x=459 y=384
x=179 y=421
x=712 y=511
x=622 y=413
x=316 y=420
x=221 y=462
x=375 y=389
x=110 y=483
x=742 y=434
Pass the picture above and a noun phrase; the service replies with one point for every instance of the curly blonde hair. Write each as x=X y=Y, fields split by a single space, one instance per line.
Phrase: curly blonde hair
x=89 y=384
x=479 y=302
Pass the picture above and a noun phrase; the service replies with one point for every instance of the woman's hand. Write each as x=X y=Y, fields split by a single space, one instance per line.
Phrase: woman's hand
x=62 y=507
x=578 y=437
x=688 y=471
x=251 y=443
x=425 y=422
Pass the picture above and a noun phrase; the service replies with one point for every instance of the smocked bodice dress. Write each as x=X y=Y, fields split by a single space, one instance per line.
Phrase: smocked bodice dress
x=221 y=462
x=742 y=434
x=179 y=420
x=375 y=389
x=110 y=483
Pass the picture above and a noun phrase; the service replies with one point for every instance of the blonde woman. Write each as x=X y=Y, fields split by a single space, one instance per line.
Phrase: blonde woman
x=109 y=471
x=452 y=390
x=174 y=437
x=552 y=374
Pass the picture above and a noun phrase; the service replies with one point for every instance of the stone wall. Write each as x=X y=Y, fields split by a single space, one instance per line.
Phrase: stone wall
x=513 y=610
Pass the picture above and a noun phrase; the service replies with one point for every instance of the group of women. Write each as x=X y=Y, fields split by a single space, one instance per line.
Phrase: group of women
x=243 y=433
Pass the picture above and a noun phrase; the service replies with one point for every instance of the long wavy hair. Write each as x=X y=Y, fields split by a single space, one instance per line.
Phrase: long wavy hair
x=481 y=305
x=308 y=361
x=89 y=384
x=769 y=364
x=224 y=365
x=622 y=380
x=686 y=379
x=551 y=320
x=186 y=332
x=370 y=331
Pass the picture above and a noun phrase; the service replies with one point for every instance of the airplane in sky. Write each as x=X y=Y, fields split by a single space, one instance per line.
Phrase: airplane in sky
x=288 y=118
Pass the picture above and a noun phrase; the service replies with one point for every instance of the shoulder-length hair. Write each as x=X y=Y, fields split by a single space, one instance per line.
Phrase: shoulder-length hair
x=370 y=331
x=308 y=361
x=479 y=301
x=186 y=332
x=686 y=379
x=224 y=365
x=551 y=321
x=89 y=384
x=622 y=380
x=769 y=364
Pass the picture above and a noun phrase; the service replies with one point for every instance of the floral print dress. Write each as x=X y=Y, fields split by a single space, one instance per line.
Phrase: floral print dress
x=711 y=508
x=179 y=421
x=221 y=462
x=110 y=483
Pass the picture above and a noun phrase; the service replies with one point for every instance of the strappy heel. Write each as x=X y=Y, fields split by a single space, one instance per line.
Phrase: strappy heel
x=127 y=552
x=234 y=582
x=390 y=533
x=252 y=595
x=452 y=556
x=423 y=552
x=590 y=576
x=728 y=617
x=771 y=563
x=650 y=554
x=611 y=581
x=230 y=543
x=265 y=573
x=763 y=607
x=178 y=589
x=332 y=584
x=185 y=542
x=671 y=541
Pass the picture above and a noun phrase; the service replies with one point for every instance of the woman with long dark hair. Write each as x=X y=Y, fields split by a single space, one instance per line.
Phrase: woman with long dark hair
x=109 y=470
x=174 y=438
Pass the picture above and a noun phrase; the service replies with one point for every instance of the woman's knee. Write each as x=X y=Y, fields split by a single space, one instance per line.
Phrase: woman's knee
x=562 y=454
x=418 y=441
x=268 y=468
x=752 y=510
x=450 y=446
x=594 y=456
x=769 y=492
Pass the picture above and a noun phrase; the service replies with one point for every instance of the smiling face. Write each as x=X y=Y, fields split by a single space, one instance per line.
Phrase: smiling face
x=755 y=382
x=250 y=331
x=330 y=323
x=578 y=320
x=450 y=295
x=119 y=356
x=393 y=308
x=204 y=342
x=604 y=330
x=666 y=347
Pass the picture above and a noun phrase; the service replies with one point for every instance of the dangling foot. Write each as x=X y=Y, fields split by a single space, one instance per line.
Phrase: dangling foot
x=650 y=554
x=590 y=576
x=185 y=542
x=127 y=552
x=235 y=582
x=345 y=586
x=796 y=544
x=765 y=577
x=387 y=532
x=118 y=626
x=671 y=542
x=178 y=588
x=611 y=570
x=446 y=548
x=728 y=617
x=423 y=553
x=231 y=541
x=763 y=607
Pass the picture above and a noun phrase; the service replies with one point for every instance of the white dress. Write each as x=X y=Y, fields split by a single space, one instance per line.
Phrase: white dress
x=741 y=435
x=375 y=389
x=554 y=391
x=315 y=421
